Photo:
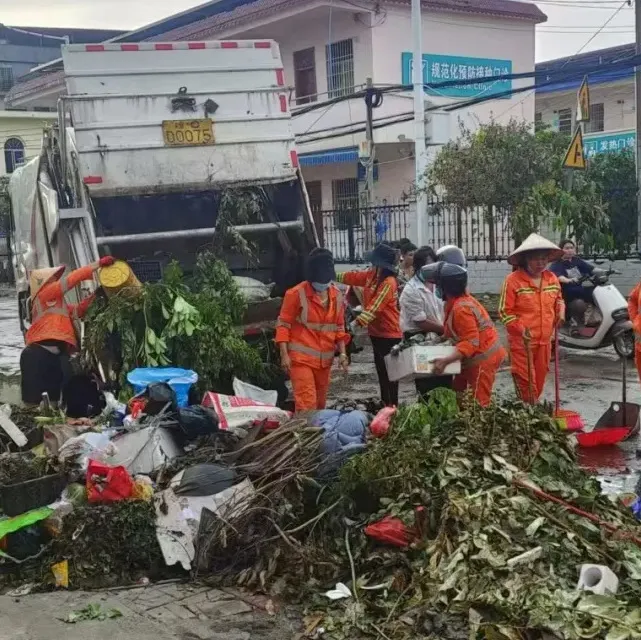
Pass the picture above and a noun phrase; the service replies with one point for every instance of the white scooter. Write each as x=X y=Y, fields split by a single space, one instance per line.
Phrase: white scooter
x=614 y=326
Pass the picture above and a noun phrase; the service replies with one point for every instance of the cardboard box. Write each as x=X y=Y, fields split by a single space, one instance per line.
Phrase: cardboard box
x=416 y=362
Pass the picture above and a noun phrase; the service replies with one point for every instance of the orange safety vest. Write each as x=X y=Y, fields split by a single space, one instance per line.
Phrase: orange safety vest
x=311 y=330
x=51 y=316
x=475 y=350
x=523 y=305
x=634 y=311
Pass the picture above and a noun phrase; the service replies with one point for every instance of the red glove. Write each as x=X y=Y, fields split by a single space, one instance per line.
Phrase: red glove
x=106 y=261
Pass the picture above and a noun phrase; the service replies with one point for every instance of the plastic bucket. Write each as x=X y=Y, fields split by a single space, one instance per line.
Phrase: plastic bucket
x=180 y=380
x=117 y=277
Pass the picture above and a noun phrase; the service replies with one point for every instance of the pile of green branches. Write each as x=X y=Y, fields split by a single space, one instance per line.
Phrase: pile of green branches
x=485 y=549
x=191 y=323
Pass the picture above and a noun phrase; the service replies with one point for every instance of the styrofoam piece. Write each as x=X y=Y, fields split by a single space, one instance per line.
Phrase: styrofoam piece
x=173 y=532
x=144 y=451
x=416 y=362
x=599 y=579
x=10 y=428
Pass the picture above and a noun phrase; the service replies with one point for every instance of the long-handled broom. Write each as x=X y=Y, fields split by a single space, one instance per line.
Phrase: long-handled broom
x=566 y=419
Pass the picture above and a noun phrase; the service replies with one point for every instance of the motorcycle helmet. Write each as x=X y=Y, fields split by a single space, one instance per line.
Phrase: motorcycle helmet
x=451 y=279
x=453 y=255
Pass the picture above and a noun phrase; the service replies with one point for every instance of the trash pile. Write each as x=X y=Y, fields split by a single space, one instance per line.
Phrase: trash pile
x=458 y=523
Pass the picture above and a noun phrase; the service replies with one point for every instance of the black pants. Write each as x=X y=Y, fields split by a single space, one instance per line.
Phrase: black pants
x=389 y=390
x=43 y=372
x=424 y=386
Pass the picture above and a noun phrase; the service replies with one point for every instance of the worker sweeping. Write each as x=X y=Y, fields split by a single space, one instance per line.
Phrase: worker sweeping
x=634 y=310
x=51 y=338
x=468 y=325
x=311 y=326
x=380 y=315
x=531 y=307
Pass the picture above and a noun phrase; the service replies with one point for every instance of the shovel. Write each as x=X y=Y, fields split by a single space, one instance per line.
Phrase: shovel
x=618 y=423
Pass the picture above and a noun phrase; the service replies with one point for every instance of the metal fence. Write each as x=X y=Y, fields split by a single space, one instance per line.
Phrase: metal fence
x=349 y=232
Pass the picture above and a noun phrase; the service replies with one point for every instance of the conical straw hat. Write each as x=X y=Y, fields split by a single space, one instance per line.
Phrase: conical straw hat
x=535 y=242
x=38 y=278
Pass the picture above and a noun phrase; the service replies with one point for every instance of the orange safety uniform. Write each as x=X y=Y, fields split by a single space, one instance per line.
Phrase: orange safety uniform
x=634 y=310
x=537 y=309
x=312 y=332
x=380 y=314
x=51 y=317
x=468 y=325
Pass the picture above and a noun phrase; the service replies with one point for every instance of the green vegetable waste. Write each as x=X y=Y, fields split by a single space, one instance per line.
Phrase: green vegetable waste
x=488 y=558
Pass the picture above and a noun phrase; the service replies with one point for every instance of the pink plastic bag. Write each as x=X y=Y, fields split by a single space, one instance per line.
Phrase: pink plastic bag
x=381 y=423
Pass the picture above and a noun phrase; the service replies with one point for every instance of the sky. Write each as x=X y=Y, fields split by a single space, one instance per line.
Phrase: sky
x=571 y=23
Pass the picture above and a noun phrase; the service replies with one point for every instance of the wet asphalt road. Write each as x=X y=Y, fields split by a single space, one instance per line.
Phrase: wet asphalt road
x=590 y=381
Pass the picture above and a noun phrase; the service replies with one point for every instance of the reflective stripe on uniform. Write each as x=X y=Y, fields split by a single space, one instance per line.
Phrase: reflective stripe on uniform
x=470 y=362
x=282 y=323
x=321 y=355
x=303 y=318
x=483 y=325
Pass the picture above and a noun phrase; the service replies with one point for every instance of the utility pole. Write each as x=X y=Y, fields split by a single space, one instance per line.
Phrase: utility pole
x=367 y=159
x=420 y=158
x=637 y=110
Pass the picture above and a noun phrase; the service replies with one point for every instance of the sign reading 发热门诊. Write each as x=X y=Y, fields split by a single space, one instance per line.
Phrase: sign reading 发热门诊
x=444 y=68
x=608 y=142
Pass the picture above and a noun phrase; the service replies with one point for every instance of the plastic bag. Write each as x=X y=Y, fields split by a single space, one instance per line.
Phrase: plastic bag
x=251 y=289
x=234 y=411
x=391 y=531
x=108 y=484
x=197 y=421
x=381 y=423
x=246 y=390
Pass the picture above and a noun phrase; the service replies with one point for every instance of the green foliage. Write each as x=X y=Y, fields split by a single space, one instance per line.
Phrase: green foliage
x=507 y=168
x=191 y=324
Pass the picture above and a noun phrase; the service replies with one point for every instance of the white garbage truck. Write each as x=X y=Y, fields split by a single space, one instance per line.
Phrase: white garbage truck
x=150 y=140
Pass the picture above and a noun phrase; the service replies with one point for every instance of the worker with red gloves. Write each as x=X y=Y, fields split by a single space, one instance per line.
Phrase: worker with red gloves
x=634 y=310
x=381 y=314
x=51 y=338
x=468 y=325
x=310 y=328
x=531 y=307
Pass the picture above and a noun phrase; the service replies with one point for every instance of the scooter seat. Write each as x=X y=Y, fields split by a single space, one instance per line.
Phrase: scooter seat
x=585 y=332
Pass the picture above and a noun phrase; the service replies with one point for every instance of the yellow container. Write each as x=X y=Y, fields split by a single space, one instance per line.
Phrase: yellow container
x=117 y=277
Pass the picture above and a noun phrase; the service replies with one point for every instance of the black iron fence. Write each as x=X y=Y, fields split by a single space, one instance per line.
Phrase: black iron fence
x=349 y=232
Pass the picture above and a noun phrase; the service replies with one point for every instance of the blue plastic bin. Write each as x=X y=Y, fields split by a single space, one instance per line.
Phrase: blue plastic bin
x=178 y=379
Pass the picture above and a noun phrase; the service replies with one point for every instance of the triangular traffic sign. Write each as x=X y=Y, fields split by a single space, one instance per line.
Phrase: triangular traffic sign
x=583 y=102
x=575 y=155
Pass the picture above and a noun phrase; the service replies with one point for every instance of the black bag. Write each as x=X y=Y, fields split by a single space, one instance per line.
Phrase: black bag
x=196 y=421
x=159 y=395
x=205 y=480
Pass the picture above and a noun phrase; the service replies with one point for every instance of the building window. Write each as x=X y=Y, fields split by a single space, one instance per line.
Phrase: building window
x=565 y=120
x=315 y=194
x=13 y=154
x=596 y=122
x=305 y=76
x=538 y=121
x=340 y=68
x=345 y=202
x=6 y=78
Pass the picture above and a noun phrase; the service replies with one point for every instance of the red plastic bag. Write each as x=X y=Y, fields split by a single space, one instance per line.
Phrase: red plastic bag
x=108 y=484
x=390 y=530
x=380 y=424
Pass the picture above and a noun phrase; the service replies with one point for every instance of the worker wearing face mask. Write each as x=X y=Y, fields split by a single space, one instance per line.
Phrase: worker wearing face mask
x=311 y=327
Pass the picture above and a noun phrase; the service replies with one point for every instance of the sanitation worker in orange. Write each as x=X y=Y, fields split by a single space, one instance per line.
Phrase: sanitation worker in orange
x=531 y=307
x=51 y=338
x=634 y=310
x=311 y=327
x=468 y=325
x=381 y=315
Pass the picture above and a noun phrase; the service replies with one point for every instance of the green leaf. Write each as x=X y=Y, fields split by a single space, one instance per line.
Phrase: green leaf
x=534 y=526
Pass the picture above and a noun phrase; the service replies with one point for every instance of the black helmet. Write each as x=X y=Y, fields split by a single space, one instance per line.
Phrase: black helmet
x=453 y=255
x=450 y=278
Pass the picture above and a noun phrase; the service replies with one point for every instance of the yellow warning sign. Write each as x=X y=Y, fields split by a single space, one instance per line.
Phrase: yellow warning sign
x=575 y=155
x=583 y=102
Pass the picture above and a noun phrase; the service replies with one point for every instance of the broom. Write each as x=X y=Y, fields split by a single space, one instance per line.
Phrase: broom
x=566 y=419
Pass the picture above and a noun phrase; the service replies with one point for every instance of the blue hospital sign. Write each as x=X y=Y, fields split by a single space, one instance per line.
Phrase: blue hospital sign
x=608 y=142
x=439 y=68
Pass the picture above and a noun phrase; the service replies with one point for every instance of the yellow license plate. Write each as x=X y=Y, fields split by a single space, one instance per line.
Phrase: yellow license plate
x=186 y=133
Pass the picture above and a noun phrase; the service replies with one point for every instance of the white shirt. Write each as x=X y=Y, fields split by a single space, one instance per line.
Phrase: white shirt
x=418 y=304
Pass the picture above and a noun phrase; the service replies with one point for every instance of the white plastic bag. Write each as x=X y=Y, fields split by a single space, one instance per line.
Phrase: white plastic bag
x=252 y=290
x=246 y=390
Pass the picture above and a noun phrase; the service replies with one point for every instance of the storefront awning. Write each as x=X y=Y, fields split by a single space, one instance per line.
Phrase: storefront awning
x=330 y=156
